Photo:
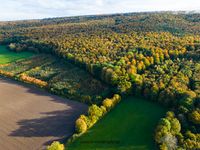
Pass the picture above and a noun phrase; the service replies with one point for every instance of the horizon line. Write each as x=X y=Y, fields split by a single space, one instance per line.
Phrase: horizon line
x=104 y=14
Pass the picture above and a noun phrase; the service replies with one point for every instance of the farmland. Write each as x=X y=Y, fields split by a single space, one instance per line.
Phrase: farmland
x=32 y=111
x=62 y=77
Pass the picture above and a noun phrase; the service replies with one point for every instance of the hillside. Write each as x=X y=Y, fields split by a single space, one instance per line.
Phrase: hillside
x=150 y=55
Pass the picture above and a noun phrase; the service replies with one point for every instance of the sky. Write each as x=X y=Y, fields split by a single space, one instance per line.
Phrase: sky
x=37 y=9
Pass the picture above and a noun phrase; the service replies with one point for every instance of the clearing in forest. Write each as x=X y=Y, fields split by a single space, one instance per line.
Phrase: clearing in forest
x=130 y=125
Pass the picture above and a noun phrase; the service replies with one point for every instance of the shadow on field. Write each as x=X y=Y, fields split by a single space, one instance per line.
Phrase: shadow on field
x=54 y=124
x=37 y=91
x=43 y=116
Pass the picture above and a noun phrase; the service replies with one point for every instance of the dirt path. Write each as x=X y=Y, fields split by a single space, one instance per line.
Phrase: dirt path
x=31 y=118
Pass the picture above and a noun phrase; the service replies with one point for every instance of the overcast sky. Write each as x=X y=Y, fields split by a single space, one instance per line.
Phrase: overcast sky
x=33 y=9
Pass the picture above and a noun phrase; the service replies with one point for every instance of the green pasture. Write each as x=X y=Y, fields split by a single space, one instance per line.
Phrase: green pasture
x=7 y=56
x=129 y=126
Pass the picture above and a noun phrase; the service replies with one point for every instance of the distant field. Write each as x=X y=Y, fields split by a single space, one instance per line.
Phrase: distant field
x=6 y=56
x=129 y=126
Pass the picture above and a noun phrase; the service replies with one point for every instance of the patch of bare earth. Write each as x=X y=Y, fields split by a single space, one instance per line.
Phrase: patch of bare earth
x=31 y=118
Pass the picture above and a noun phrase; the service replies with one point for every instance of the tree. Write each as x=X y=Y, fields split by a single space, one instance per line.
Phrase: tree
x=81 y=125
x=175 y=126
x=170 y=141
x=12 y=46
x=56 y=146
x=94 y=114
x=194 y=116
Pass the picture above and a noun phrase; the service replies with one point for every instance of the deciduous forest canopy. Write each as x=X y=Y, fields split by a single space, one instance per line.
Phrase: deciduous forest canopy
x=153 y=55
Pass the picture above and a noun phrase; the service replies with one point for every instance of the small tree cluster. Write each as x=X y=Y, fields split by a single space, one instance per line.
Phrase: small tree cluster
x=167 y=132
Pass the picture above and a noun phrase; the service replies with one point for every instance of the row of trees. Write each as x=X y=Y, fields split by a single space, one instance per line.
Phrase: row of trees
x=84 y=122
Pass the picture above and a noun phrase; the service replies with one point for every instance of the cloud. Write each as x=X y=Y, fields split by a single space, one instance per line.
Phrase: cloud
x=32 y=9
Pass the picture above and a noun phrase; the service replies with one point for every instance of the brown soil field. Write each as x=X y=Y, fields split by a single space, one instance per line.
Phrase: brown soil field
x=31 y=118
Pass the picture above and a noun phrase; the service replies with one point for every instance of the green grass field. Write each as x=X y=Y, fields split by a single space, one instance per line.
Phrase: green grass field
x=129 y=126
x=6 y=56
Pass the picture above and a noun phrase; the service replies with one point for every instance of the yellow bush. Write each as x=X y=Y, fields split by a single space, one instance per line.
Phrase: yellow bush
x=81 y=125
x=32 y=80
x=7 y=74
x=194 y=116
x=103 y=108
x=108 y=103
x=56 y=146
x=116 y=99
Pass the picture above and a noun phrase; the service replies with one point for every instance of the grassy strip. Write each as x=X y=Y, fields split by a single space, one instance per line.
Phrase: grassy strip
x=7 y=56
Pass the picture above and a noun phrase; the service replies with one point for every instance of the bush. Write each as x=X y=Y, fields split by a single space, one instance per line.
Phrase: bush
x=107 y=103
x=96 y=111
x=104 y=111
x=81 y=125
x=94 y=114
x=194 y=116
x=32 y=80
x=6 y=74
x=56 y=146
x=116 y=98
x=110 y=103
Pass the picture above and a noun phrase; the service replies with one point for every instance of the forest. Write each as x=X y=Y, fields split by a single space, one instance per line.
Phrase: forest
x=155 y=56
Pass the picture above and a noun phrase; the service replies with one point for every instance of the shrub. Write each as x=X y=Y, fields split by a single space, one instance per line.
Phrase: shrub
x=94 y=114
x=95 y=111
x=110 y=103
x=81 y=125
x=194 y=116
x=6 y=74
x=107 y=103
x=175 y=126
x=192 y=141
x=86 y=120
x=104 y=111
x=116 y=98
x=32 y=80
x=56 y=146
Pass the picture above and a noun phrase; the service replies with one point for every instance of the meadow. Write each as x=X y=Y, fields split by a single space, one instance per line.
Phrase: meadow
x=127 y=126
x=7 y=56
